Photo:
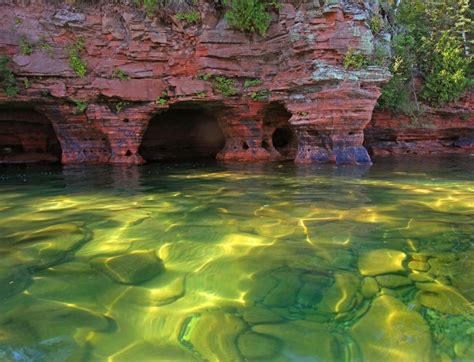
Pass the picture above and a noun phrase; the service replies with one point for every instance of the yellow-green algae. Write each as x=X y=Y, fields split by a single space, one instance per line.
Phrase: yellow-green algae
x=238 y=263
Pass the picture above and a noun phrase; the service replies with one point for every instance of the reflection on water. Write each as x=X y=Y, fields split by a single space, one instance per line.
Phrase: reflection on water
x=240 y=262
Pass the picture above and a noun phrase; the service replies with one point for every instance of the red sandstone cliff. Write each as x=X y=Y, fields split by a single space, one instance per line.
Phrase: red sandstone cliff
x=307 y=108
x=439 y=130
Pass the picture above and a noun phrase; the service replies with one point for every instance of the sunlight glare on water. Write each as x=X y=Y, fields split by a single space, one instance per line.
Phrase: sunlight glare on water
x=238 y=262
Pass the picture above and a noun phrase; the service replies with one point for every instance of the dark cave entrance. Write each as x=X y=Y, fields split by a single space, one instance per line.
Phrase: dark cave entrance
x=278 y=131
x=27 y=136
x=186 y=132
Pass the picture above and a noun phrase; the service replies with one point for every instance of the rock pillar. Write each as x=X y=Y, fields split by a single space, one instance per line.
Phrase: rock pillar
x=246 y=139
x=124 y=129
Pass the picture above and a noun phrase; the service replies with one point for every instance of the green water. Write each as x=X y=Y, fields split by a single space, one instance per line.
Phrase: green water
x=230 y=263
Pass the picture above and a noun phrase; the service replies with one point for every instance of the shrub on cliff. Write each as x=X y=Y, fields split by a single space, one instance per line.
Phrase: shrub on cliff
x=7 y=78
x=430 y=43
x=248 y=15
x=448 y=77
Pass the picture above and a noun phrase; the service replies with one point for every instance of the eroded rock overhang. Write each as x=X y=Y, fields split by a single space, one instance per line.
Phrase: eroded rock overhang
x=288 y=87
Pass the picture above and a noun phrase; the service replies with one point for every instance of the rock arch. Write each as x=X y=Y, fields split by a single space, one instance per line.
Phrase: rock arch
x=186 y=131
x=27 y=136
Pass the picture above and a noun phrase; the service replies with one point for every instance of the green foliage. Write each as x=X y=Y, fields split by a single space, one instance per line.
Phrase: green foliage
x=7 y=78
x=430 y=42
x=149 y=5
x=81 y=106
x=376 y=24
x=252 y=83
x=47 y=48
x=448 y=78
x=157 y=7
x=248 y=15
x=162 y=102
x=355 y=60
x=204 y=76
x=200 y=94
x=26 y=48
x=26 y=83
x=120 y=74
x=75 y=61
x=18 y=21
x=260 y=95
x=120 y=106
x=224 y=86
x=190 y=17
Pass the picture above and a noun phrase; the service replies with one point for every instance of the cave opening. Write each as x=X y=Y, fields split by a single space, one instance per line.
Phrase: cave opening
x=27 y=136
x=185 y=132
x=278 y=131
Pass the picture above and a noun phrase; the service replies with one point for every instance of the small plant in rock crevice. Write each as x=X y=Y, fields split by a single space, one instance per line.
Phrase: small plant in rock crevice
x=252 y=83
x=120 y=74
x=204 y=76
x=355 y=60
x=251 y=16
x=120 y=106
x=47 y=48
x=224 y=86
x=81 y=106
x=190 y=17
x=376 y=24
x=26 y=48
x=75 y=62
x=161 y=101
x=7 y=78
x=260 y=95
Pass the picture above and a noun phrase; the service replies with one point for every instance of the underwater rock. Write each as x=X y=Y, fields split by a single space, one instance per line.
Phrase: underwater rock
x=312 y=290
x=254 y=315
x=145 y=351
x=303 y=339
x=166 y=291
x=133 y=268
x=464 y=349
x=285 y=292
x=72 y=282
x=389 y=331
x=46 y=320
x=369 y=287
x=255 y=346
x=418 y=265
x=275 y=230
x=443 y=299
x=462 y=278
x=60 y=348
x=13 y=281
x=393 y=281
x=420 y=277
x=419 y=256
x=340 y=296
x=51 y=245
x=381 y=261
x=213 y=335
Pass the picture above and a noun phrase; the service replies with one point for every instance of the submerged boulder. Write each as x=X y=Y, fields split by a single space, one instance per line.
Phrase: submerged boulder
x=443 y=298
x=303 y=340
x=381 y=261
x=133 y=268
x=391 y=332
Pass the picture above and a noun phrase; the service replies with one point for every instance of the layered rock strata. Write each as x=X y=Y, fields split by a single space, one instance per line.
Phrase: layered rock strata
x=438 y=130
x=301 y=104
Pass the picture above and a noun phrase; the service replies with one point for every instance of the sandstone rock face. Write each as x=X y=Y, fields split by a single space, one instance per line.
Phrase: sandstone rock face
x=306 y=107
x=445 y=130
